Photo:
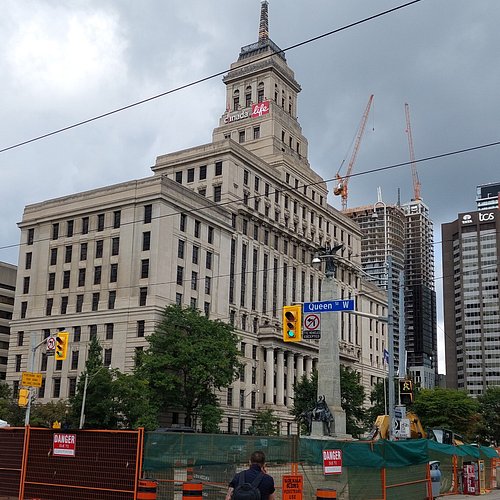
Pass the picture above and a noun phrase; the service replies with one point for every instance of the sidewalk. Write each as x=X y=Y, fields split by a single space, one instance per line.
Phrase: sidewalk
x=492 y=495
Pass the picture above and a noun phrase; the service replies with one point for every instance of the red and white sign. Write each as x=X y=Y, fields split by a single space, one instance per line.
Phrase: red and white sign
x=312 y=322
x=51 y=344
x=260 y=108
x=64 y=445
x=332 y=461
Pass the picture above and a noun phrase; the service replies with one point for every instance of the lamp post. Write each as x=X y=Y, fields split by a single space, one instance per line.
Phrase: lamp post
x=84 y=399
x=242 y=403
x=329 y=359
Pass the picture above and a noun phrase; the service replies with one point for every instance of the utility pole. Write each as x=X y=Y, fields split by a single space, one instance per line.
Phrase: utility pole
x=390 y=340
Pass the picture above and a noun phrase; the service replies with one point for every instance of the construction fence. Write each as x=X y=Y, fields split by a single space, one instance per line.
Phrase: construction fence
x=49 y=464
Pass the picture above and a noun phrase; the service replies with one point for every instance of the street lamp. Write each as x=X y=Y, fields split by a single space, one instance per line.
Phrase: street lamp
x=87 y=382
x=242 y=403
x=329 y=364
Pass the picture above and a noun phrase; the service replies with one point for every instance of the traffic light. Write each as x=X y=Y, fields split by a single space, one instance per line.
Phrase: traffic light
x=23 y=397
x=292 y=323
x=61 y=345
x=406 y=391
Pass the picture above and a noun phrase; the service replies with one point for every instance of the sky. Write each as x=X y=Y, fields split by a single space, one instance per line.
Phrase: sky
x=65 y=62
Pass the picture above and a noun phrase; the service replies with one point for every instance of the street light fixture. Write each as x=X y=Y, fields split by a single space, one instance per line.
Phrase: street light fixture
x=242 y=402
x=84 y=399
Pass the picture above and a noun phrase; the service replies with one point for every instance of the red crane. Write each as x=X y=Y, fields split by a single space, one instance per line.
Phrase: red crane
x=341 y=188
x=414 y=173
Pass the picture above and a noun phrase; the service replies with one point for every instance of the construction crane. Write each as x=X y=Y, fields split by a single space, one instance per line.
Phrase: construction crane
x=414 y=173
x=341 y=187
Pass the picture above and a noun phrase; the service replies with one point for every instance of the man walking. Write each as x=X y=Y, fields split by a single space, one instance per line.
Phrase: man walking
x=253 y=483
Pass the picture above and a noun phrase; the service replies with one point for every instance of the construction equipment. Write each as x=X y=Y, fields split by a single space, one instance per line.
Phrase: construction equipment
x=381 y=427
x=414 y=173
x=341 y=187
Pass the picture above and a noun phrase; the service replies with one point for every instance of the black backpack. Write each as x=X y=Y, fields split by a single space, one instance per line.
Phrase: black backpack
x=247 y=491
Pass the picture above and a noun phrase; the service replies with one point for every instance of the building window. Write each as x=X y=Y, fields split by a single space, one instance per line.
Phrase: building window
x=229 y=399
x=66 y=279
x=117 y=215
x=79 y=303
x=56 y=387
x=218 y=168
x=194 y=280
x=193 y=303
x=148 y=213
x=43 y=362
x=256 y=132
x=77 y=333
x=182 y=223
x=92 y=331
x=20 y=338
x=206 y=309
x=241 y=136
x=208 y=261
x=245 y=177
x=178 y=299
x=100 y=222
x=203 y=172
x=26 y=284
x=115 y=246
x=210 y=234
x=208 y=285
x=113 y=275
x=99 y=246
x=202 y=192
x=55 y=231
x=48 y=306
x=144 y=268
x=190 y=175
x=197 y=228
x=74 y=360
x=180 y=275
x=196 y=253
x=111 y=299
x=217 y=193
x=53 y=256
x=178 y=177
x=141 y=328
x=143 y=296
x=146 y=241
x=180 y=249
x=85 y=225
x=64 y=304
x=31 y=237
x=83 y=251
x=110 y=327
x=70 y=225
x=260 y=95
x=18 y=362
x=28 y=260
x=107 y=357
x=71 y=387
x=95 y=301
x=68 y=254
x=97 y=275
x=248 y=99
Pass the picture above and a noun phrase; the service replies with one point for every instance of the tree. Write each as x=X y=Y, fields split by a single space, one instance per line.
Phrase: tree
x=304 y=397
x=489 y=409
x=265 y=424
x=352 y=394
x=44 y=415
x=447 y=408
x=9 y=409
x=189 y=357
x=211 y=417
x=100 y=408
x=377 y=397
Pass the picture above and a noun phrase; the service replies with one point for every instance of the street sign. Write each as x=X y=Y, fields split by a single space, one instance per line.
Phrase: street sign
x=401 y=428
x=312 y=335
x=31 y=379
x=329 y=306
x=64 y=445
x=312 y=322
x=293 y=486
x=51 y=343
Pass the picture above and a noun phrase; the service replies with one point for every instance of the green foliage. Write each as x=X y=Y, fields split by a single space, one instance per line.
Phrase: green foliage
x=378 y=405
x=489 y=410
x=447 y=408
x=9 y=410
x=210 y=416
x=189 y=356
x=304 y=397
x=265 y=424
x=44 y=415
x=352 y=394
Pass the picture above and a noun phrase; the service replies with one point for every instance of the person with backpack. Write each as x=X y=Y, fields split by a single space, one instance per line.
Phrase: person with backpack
x=253 y=483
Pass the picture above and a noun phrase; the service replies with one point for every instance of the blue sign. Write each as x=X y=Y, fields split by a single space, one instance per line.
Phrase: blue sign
x=329 y=306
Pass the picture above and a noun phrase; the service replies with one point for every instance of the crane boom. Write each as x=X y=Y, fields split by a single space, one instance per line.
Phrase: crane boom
x=342 y=182
x=414 y=173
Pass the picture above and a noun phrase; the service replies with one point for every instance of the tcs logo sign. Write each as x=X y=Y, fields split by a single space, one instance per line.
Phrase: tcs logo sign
x=485 y=217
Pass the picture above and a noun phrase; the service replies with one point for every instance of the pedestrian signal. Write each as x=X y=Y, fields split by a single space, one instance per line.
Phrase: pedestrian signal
x=23 y=397
x=406 y=391
x=61 y=346
x=292 y=323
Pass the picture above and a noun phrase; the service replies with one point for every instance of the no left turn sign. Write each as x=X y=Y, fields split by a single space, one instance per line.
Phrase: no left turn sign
x=312 y=322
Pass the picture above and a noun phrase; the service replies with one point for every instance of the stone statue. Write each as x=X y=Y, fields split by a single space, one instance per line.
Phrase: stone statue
x=320 y=413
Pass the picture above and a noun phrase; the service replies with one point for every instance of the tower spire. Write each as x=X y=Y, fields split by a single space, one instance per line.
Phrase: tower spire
x=264 y=21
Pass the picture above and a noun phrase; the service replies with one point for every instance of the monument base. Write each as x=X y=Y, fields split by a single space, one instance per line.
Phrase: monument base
x=319 y=430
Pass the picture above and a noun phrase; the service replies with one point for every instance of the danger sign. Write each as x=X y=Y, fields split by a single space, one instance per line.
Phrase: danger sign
x=332 y=461
x=64 y=445
x=293 y=486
